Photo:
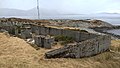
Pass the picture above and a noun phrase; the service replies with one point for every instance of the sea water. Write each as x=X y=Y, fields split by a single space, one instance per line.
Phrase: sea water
x=114 y=31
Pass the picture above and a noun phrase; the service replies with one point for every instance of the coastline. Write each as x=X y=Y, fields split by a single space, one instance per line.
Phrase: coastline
x=105 y=29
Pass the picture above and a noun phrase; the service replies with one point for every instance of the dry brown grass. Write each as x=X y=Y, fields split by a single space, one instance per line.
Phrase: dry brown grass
x=115 y=45
x=16 y=53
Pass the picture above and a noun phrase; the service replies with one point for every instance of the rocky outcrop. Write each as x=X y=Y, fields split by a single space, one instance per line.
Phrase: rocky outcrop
x=81 y=23
x=61 y=22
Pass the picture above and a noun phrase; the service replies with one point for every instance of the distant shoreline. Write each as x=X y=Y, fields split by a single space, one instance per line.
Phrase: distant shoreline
x=105 y=29
x=114 y=20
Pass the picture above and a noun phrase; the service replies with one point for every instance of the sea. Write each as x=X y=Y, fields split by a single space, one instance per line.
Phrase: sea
x=113 y=19
x=114 y=31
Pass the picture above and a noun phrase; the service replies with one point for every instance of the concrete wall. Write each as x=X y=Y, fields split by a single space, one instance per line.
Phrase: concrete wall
x=55 y=31
x=10 y=29
x=48 y=42
x=26 y=33
x=76 y=35
x=92 y=46
x=82 y=49
x=44 y=41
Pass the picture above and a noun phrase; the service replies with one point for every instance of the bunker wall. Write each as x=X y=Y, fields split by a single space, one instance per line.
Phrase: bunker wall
x=82 y=49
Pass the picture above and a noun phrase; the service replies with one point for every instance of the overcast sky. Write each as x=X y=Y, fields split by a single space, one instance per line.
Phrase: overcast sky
x=73 y=6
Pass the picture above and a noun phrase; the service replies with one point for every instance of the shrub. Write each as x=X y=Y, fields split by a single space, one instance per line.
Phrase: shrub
x=65 y=39
x=12 y=31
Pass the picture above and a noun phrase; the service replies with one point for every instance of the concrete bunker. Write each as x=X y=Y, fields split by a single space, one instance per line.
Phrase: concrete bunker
x=82 y=49
x=87 y=44
x=44 y=41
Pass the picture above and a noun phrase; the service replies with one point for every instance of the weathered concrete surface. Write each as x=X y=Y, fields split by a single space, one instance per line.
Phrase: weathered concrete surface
x=44 y=41
x=82 y=49
x=26 y=33
x=76 y=35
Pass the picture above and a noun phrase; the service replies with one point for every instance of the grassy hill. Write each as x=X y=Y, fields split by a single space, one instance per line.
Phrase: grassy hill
x=16 y=53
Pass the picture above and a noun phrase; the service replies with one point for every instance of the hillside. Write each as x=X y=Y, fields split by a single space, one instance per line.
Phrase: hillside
x=12 y=12
x=31 y=12
x=62 y=22
x=16 y=53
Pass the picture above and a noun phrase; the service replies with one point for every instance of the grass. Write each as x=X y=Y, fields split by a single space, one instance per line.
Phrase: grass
x=64 y=39
x=16 y=53
x=115 y=45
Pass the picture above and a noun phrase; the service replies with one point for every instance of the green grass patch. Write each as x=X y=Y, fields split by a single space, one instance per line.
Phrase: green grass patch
x=64 y=39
